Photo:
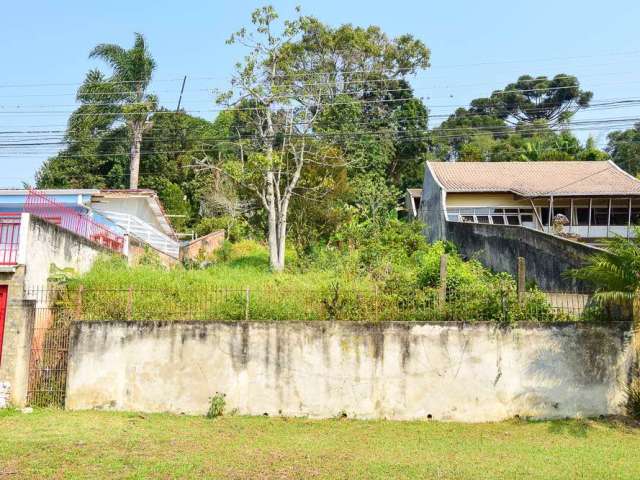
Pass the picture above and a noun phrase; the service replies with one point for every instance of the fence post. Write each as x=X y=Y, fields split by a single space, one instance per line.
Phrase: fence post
x=521 y=279
x=79 y=304
x=442 y=289
x=246 y=305
x=130 y=305
x=376 y=312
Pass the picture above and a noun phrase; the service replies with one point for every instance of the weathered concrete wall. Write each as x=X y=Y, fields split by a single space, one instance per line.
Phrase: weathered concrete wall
x=47 y=244
x=137 y=249
x=319 y=369
x=18 y=328
x=498 y=247
x=432 y=208
x=203 y=246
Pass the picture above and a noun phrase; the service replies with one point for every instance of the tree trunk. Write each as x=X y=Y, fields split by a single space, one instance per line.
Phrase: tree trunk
x=272 y=224
x=134 y=160
x=281 y=220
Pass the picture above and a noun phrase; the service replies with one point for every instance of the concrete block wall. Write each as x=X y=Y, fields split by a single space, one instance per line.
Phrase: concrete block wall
x=396 y=370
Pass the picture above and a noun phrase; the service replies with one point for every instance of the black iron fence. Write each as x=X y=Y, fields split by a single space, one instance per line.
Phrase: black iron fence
x=331 y=303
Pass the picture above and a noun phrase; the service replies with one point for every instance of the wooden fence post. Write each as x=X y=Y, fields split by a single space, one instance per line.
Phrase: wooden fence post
x=246 y=305
x=442 y=289
x=375 y=305
x=521 y=279
x=130 y=304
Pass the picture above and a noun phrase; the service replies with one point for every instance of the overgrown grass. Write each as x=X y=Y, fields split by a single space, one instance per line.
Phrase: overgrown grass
x=332 y=285
x=101 y=445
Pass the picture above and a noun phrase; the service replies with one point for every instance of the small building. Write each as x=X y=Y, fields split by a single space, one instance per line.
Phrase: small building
x=587 y=201
x=138 y=214
x=553 y=214
x=412 y=199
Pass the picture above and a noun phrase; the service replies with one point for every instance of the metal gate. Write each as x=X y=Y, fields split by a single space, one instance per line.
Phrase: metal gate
x=49 y=349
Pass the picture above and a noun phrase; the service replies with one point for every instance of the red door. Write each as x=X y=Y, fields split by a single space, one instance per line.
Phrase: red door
x=3 y=313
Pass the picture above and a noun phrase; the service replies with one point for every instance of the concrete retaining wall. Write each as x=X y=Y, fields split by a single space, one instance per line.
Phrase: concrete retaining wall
x=547 y=257
x=320 y=369
x=43 y=244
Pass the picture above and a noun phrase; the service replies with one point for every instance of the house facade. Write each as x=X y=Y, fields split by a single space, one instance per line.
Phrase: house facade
x=555 y=215
x=135 y=215
x=584 y=201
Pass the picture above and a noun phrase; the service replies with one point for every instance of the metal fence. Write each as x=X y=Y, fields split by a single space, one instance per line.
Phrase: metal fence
x=331 y=303
x=49 y=348
x=55 y=309
x=48 y=209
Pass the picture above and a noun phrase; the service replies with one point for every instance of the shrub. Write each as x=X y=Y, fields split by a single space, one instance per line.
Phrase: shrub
x=633 y=399
x=236 y=229
x=217 y=405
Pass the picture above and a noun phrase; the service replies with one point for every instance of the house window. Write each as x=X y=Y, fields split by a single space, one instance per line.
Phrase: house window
x=619 y=216
x=582 y=215
x=495 y=216
x=600 y=216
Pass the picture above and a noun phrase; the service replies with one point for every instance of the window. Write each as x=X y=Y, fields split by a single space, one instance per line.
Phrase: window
x=495 y=216
x=599 y=216
x=619 y=216
x=582 y=215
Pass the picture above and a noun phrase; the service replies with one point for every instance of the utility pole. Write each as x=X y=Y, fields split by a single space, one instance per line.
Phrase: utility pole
x=184 y=80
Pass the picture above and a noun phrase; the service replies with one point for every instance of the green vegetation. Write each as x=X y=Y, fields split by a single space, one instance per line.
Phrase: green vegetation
x=57 y=444
x=343 y=142
x=372 y=270
x=615 y=273
x=217 y=406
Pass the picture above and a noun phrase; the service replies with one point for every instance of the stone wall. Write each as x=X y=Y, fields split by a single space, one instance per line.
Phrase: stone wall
x=396 y=370
x=547 y=257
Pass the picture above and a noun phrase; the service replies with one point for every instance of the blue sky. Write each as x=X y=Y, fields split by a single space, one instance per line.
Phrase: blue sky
x=476 y=47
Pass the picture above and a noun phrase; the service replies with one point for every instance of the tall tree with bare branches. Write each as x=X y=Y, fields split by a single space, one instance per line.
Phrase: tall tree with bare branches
x=293 y=72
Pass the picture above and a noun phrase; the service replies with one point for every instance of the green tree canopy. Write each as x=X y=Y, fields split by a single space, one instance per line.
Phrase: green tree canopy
x=110 y=101
x=624 y=148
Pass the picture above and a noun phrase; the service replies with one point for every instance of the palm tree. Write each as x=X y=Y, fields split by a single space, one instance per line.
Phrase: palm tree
x=119 y=99
x=616 y=273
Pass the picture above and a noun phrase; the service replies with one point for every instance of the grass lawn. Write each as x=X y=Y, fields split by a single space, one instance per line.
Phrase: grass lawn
x=57 y=444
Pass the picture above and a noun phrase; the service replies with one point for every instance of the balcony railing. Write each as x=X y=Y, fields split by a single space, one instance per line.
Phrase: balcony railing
x=48 y=209
x=143 y=231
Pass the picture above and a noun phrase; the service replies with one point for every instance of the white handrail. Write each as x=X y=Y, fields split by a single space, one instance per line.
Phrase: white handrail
x=145 y=232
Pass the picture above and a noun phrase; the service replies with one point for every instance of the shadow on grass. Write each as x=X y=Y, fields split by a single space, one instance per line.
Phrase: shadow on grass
x=254 y=261
x=575 y=428
x=581 y=427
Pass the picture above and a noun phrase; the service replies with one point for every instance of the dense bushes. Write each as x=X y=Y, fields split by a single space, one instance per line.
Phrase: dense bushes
x=367 y=273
